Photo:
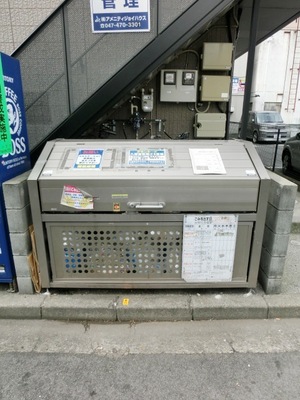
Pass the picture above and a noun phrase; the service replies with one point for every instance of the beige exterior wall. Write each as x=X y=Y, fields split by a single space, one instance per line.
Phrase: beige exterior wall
x=19 y=18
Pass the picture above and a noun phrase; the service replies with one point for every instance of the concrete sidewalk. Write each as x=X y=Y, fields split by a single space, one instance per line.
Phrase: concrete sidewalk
x=165 y=305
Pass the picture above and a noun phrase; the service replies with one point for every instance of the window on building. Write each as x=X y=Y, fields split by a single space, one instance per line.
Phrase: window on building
x=272 y=106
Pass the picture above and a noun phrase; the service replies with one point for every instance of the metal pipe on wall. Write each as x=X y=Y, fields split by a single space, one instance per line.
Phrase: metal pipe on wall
x=250 y=64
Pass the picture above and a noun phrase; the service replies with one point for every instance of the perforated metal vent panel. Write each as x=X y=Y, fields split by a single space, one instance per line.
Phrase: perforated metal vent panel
x=114 y=251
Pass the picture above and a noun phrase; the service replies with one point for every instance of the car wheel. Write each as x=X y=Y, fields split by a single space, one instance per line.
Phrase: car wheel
x=255 y=137
x=286 y=163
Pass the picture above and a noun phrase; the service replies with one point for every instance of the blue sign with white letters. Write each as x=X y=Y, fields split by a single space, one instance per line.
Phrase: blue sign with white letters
x=120 y=16
x=13 y=128
x=17 y=160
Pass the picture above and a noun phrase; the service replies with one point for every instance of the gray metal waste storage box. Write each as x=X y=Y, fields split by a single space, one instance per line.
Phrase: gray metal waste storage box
x=167 y=214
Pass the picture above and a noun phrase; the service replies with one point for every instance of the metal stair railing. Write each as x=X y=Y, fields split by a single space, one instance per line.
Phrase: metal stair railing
x=72 y=76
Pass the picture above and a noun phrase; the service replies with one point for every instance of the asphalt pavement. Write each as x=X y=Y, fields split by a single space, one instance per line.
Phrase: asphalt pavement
x=224 y=360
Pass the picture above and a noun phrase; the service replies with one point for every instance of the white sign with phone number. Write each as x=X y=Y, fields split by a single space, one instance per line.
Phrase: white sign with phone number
x=113 y=16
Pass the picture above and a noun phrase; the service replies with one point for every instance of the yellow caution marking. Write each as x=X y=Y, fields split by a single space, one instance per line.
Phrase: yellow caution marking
x=125 y=302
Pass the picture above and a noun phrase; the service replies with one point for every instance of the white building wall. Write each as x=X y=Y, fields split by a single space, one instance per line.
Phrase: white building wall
x=275 y=59
x=291 y=101
x=270 y=67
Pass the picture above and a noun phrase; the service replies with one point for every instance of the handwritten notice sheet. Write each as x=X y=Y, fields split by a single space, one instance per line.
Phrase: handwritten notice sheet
x=208 y=247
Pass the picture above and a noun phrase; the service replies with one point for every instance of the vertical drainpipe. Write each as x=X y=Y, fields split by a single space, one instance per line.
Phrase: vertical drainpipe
x=67 y=60
x=250 y=64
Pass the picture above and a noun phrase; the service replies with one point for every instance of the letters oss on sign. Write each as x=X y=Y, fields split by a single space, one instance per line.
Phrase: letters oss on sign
x=17 y=159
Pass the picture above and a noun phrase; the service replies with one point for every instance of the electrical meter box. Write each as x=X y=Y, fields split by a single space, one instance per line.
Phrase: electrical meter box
x=179 y=85
x=215 y=88
x=209 y=125
x=217 y=56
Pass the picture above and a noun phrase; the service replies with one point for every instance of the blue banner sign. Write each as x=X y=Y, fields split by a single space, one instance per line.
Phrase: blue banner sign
x=16 y=160
x=14 y=156
x=110 y=16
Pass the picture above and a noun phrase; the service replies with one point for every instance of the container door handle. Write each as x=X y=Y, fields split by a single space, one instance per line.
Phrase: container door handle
x=141 y=205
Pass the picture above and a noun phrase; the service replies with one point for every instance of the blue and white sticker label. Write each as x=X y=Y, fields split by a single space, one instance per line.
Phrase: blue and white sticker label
x=88 y=159
x=147 y=157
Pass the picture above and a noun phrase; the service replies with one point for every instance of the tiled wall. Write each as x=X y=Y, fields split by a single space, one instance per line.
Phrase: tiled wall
x=19 y=18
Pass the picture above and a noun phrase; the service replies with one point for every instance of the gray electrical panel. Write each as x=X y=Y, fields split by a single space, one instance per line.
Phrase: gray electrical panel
x=209 y=125
x=178 y=85
x=217 y=56
x=215 y=88
x=145 y=214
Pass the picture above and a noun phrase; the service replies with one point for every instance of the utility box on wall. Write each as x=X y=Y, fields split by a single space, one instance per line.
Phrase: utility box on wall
x=209 y=125
x=179 y=85
x=215 y=88
x=217 y=56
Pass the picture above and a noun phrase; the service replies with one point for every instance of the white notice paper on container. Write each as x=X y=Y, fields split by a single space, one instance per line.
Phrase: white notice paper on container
x=209 y=247
x=207 y=161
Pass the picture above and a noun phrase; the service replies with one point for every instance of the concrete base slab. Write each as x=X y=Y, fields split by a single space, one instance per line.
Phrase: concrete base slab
x=120 y=307
x=18 y=306
x=80 y=307
x=154 y=308
x=283 y=306
x=229 y=306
